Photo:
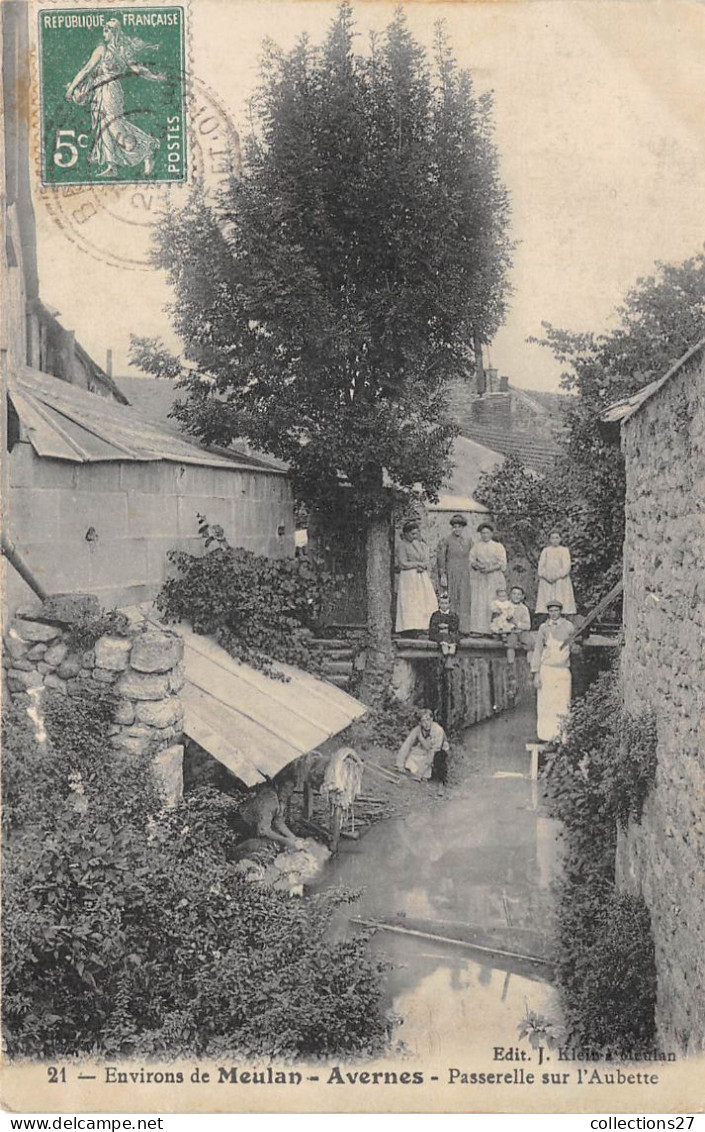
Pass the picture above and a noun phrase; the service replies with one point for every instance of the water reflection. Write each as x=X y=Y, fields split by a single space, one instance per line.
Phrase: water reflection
x=475 y=864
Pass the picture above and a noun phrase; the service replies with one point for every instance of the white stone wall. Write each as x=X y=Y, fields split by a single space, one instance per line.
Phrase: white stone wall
x=138 y=511
x=664 y=574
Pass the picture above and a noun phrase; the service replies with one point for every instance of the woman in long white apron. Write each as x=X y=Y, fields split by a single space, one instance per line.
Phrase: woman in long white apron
x=554 y=576
x=416 y=597
x=550 y=664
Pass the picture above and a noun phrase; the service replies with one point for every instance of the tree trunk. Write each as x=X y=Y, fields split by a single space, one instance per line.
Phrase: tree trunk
x=380 y=652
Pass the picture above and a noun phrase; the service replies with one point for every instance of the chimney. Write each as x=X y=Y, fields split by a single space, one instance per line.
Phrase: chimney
x=491 y=379
x=504 y=384
x=109 y=362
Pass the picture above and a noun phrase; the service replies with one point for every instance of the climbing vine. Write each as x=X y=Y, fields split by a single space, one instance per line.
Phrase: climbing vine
x=261 y=610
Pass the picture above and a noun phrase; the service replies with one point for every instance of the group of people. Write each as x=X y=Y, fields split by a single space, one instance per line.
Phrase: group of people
x=474 y=599
x=473 y=577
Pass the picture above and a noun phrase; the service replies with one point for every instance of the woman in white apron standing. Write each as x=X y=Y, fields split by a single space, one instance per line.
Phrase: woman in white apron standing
x=416 y=597
x=550 y=664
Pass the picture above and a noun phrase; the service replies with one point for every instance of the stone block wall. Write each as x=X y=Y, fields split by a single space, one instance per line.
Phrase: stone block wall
x=662 y=668
x=105 y=528
x=144 y=670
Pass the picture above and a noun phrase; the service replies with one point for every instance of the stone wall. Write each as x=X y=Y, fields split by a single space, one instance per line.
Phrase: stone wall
x=483 y=681
x=664 y=614
x=144 y=669
x=105 y=528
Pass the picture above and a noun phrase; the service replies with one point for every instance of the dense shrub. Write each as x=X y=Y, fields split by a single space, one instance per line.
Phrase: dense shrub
x=595 y=779
x=605 y=969
x=128 y=931
x=259 y=609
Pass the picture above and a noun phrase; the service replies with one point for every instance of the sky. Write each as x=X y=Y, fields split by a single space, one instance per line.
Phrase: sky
x=599 y=111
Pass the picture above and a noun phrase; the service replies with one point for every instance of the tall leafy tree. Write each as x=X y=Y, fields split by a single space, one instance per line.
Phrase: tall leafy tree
x=328 y=298
x=662 y=316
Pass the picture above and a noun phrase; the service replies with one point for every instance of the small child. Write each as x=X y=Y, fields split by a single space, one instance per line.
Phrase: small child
x=444 y=629
x=502 y=613
x=522 y=617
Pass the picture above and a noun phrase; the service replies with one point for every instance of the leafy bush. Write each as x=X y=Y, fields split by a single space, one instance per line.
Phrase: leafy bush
x=605 y=969
x=601 y=774
x=259 y=609
x=596 y=778
x=127 y=931
x=90 y=627
x=386 y=725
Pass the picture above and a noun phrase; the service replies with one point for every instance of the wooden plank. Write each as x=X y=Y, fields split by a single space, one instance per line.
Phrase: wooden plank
x=44 y=438
x=200 y=730
x=312 y=699
x=380 y=925
x=245 y=740
x=249 y=702
x=599 y=609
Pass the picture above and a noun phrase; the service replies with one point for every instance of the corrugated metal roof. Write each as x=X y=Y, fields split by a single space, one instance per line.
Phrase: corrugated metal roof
x=153 y=398
x=67 y=423
x=621 y=411
x=252 y=724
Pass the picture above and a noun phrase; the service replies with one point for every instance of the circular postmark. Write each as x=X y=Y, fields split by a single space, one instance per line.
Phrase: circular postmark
x=112 y=222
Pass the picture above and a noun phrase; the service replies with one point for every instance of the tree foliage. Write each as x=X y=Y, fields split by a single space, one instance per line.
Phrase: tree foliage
x=662 y=316
x=259 y=609
x=326 y=301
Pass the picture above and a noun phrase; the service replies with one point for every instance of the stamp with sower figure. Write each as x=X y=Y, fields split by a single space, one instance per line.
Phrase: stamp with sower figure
x=113 y=100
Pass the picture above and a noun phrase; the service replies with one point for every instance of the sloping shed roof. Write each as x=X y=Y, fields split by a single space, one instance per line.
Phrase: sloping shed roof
x=470 y=460
x=457 y=503
x=252 y=724
x=66 y=423
x=621 y=411
x=153 y=398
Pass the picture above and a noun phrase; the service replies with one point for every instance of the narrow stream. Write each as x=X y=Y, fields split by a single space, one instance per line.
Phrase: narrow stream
x=477 y=860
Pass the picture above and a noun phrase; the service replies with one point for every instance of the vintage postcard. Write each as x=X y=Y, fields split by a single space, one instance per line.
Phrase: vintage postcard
x=353 y=431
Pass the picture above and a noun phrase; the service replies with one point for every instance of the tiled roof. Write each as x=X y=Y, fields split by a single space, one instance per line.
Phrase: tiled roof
x=538 y=451
x=555 y=403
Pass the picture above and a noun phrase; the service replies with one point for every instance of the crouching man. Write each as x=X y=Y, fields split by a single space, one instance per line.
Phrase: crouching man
x=424 y=752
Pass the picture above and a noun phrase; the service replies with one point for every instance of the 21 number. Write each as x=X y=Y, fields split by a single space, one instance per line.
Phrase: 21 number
x=56 y=1075
x=66 y=148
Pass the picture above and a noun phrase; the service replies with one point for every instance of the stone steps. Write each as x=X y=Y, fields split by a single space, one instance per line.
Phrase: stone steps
x=338 y=667
x=339 y=681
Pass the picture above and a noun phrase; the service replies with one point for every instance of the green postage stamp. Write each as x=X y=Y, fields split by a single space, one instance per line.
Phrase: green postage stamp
x=113 y=105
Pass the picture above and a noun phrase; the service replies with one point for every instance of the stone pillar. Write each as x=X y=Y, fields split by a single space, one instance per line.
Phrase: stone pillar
x=144 y=669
